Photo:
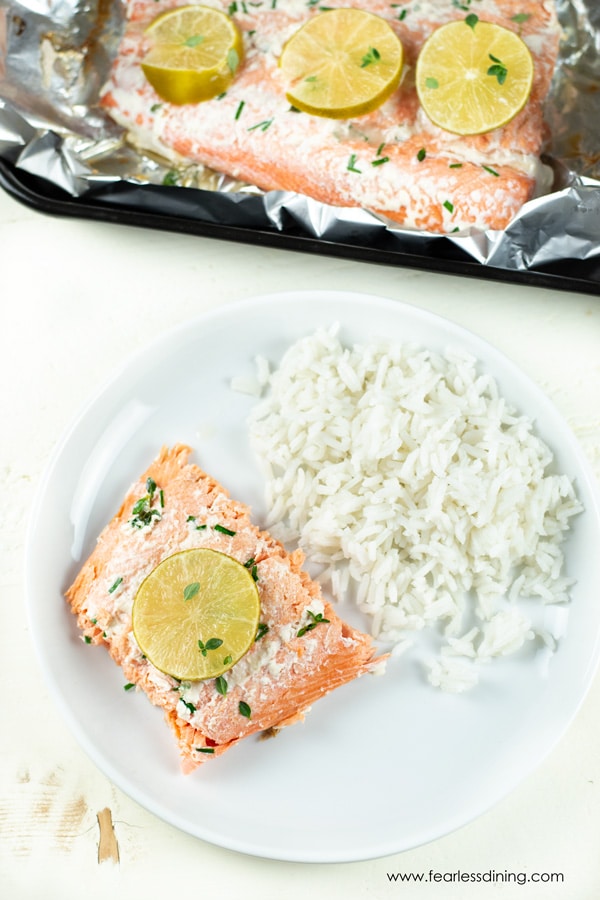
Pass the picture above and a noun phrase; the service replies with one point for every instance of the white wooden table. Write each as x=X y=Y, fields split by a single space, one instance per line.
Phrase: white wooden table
x=76 y=298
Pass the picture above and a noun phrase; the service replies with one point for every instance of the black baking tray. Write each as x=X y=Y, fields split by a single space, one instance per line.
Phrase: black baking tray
x=178 y=209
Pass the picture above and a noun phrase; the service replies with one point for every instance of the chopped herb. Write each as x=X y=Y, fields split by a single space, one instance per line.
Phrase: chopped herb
x=87 y=639
x=455 y=166
x=129 y=686
x=193 y=40
x=233 y=60
x=171 y=178
x=432 y=83
x=372 y=55
x=221 y=685
x=273 y=4
x=227 y=660
x=317 y=619
x=449 y=206
x=380 y=161
x=113 y=588
x=94 y=621
x=491 y=171
x=456 y=228
x=402 y=15
x=220 y=96
x=352 y=164
x=155 y=107
x=205 y=749
x=254 y=573
x=189 y=706
x=261 y=631
x=142 y=510
x=232 y=8
x=520 y=18
x=459 y=5
x=262 y=125
x=238 y=111
x=498 y=70
x=191 y=590
x=223 y=530
x=244 y=709
x=294 y=109
x=472 y=20
x=380 y=148
x=211 y=644
x=250 y=562
x=193 y=519
x=161 y=497
x=421 y=154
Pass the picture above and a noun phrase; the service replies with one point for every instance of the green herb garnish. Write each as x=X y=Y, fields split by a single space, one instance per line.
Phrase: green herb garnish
x=113 y=588
x=129 y=686
x=142 y=511
x=432 y=83
x=261 y=631
x=421 y=154
x=189 y=706
x=238 y=111
x=233 y=60
x=262 y=125
x=244 y=709
x=205 y=749
x=352 y=164
x=472 y=20
x=498 y=70
x=372 y=55
x=221 y=685
x=193 y=40
x=223 y=530
x=317 y=619
x=380 y=161
x=490 y=170
x=211 y=644
x=449 y=206
x=191 y=590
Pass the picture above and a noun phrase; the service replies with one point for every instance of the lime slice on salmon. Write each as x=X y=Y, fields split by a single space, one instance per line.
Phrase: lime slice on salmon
x=194 y=53
x=341 y=63
x=473 y=76
x=196 y=614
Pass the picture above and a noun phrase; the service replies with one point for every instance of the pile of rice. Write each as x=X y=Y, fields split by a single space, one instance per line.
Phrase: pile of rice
x=419 y=490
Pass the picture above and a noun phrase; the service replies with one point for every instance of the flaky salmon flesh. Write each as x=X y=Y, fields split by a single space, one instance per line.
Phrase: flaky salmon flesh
x=432 y=180
x=282 y=673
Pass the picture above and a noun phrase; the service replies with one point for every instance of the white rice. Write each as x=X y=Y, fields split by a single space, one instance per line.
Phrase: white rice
x=419 y=490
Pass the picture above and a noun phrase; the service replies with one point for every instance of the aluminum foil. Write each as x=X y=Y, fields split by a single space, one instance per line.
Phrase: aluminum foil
x=55 y=56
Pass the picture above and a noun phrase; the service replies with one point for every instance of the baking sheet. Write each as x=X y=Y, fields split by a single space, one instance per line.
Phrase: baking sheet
x=60 y=154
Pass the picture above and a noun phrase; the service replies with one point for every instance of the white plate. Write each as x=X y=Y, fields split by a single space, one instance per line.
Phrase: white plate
x=381 y=765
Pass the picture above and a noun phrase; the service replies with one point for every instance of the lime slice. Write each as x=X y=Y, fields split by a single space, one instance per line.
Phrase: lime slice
x=473 y=76
x=341 y=63
x=194 y=53
x=196 y=614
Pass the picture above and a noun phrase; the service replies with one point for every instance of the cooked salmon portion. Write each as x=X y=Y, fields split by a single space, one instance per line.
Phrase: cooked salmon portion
x=282 y=673
x=252 y=133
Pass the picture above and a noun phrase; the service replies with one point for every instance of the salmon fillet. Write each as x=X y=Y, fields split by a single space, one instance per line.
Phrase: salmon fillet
x=252 y=133
x=281 y=675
